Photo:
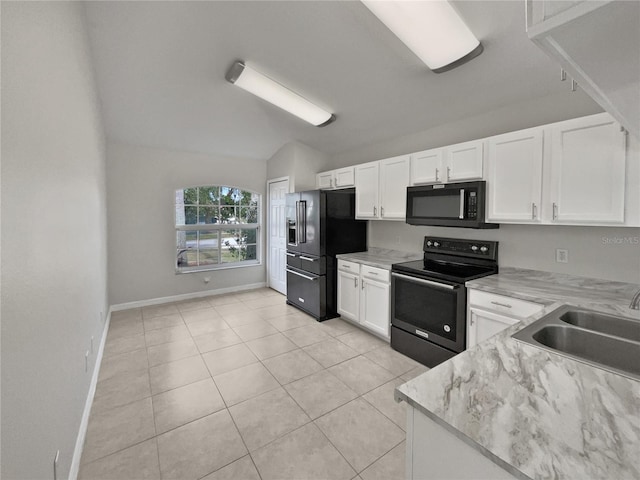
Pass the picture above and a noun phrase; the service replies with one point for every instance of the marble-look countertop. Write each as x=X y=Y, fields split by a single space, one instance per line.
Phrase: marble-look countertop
x=534 y=413
x=379 y=257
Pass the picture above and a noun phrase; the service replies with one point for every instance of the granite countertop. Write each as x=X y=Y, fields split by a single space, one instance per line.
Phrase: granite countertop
x=534 y=413
x=379 y=257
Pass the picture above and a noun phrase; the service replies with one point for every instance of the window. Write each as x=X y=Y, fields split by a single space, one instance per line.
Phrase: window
x=216 y=227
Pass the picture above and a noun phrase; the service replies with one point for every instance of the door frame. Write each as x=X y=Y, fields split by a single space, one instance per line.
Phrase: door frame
x=268 y=229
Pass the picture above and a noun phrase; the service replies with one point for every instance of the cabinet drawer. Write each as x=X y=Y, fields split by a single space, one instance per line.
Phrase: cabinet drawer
x=375 y=273
x=513 y=307
x=348 y=266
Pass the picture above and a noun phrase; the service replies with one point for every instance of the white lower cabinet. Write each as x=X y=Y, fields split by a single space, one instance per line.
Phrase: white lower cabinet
x=433 y=452
x=364 y=296
x=490 y=313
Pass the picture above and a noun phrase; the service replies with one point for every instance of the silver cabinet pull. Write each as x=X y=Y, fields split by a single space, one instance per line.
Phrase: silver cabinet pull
x=574 y=84
x=461 y=215
x=505 y=305
x=424 y=282
x=301 y=275
x=437 y=172
x=555 y=211
x=362 y=284
x=355 y=282
x=382 y=211
x=375 y=211
x=448 y=173
x=331 y=183
x=534 y=209
x=308 y=259
x=563 y=75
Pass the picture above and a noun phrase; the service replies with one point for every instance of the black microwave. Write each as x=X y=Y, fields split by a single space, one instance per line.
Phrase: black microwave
x=448 y=205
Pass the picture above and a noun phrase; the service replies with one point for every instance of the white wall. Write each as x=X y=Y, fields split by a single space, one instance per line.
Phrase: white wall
x=610 y=253
x=300 y=163
x=53 y=233
x=141 y=185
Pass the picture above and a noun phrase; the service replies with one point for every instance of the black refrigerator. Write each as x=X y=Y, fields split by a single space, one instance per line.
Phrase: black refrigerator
x=320 y=225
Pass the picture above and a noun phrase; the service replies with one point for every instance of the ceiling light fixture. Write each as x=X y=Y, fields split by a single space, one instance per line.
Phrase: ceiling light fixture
x=433 y=30
x=255 y=82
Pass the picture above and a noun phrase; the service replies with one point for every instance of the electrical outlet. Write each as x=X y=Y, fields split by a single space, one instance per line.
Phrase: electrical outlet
x=562 y=255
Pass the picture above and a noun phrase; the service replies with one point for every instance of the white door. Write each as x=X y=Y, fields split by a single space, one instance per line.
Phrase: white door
x=394 y=180
x=277 y=266
x=348 y=295
x=464 y=161
x=588 y=171
x=426 y=167
x=483 y=325
x=514 y=182
x=374 y=306
x=367 y=190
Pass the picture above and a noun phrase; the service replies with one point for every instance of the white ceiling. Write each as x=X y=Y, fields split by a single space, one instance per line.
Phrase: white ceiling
x=160 y=69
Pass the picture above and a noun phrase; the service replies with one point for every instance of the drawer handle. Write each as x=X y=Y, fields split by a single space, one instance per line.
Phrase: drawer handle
x=291 y=254
x=505 y=305
x=372 y=273
x=308 y=259
x=313 y=279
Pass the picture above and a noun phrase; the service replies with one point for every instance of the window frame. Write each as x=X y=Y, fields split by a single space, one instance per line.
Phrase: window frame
x=219 y=228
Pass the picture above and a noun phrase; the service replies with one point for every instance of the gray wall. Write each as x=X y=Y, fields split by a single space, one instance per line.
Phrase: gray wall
x=141 y=184
x=300 y=163
x=601 y=252
x=53 y=233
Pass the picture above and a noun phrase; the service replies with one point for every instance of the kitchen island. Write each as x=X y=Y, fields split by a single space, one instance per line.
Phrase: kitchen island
x=532 y=413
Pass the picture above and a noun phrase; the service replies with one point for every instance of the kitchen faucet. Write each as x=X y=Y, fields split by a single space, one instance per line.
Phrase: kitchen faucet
x=635 y=301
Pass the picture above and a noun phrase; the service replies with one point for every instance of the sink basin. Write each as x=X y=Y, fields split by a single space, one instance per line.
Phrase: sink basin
x=601 y=340
x=601 y=322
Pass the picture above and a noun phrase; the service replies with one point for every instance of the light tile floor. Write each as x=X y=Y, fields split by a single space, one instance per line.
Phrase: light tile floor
x=243 y=386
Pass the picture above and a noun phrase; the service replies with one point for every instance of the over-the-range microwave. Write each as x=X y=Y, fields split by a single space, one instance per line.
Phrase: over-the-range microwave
x=448 y=205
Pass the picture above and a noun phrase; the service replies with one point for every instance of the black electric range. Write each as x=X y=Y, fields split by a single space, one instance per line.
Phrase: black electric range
x=429 y=297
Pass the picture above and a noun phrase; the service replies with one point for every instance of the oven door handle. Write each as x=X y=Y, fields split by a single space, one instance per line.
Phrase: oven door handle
x=425 y=282
x=461 y=216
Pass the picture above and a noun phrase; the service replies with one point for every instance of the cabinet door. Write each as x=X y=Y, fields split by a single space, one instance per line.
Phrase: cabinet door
x=394 y=180
x=374 y=306
x=367 y=190
x=344 y=177
x=514 y=182
x=483 y=324
x=588 y=171
x=464 y=161
x=324 y=180
x=426 y=167
x=348 y=295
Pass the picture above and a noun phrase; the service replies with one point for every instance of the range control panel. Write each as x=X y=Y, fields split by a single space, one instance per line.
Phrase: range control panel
x=455 y=246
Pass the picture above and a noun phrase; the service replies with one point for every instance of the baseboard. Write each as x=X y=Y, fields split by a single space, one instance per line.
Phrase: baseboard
x=185 y=296
x=84 y=422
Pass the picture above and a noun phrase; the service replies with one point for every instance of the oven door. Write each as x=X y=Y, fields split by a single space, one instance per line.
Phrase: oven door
x=434 y=310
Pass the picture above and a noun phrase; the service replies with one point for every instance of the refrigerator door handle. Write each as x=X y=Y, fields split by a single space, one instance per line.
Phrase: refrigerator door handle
x=302 y=221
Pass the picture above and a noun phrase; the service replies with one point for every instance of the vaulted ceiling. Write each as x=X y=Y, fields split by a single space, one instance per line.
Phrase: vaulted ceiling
x=160 y=69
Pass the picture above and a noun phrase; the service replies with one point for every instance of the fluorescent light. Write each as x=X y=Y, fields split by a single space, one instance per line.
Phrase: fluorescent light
x=431 y=29
x=254 y=82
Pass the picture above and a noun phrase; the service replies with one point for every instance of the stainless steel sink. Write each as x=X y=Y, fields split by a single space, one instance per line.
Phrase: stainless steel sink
x=601 y=340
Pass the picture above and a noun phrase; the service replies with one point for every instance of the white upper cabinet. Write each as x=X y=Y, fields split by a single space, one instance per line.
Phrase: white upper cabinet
x=596 y=42
x=588 y=171
x=426 y=167
x=367 y=191
x=333 y=179
x=344 y=177
x=324 y=180
x=394 y=179
x=381 y=189
x=464 y=161
x=514 y=176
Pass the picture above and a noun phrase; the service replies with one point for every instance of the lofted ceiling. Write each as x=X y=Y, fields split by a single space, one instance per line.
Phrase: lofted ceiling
x=160 y=69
